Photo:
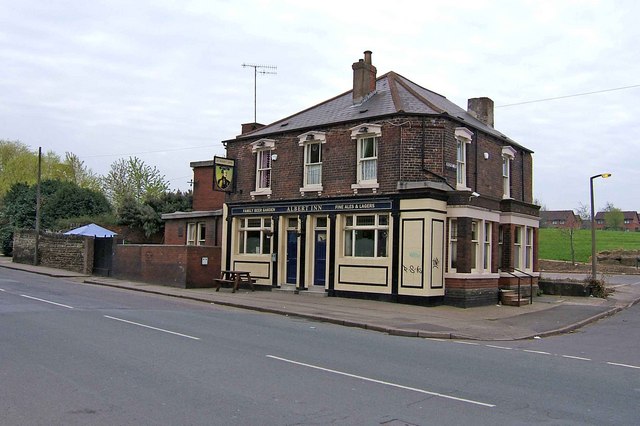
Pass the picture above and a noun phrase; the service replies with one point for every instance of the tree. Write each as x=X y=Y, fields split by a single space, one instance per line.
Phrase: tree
x=613 y=217
x=133 y=178
x=60 y=200
x=80 y=174
x=18 y=164
x=584 y=212
x=147 y=216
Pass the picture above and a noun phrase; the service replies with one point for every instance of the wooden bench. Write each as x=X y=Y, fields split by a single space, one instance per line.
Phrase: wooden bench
x=234 y=278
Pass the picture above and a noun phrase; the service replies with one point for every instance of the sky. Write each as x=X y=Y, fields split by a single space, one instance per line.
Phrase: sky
x=164 y=80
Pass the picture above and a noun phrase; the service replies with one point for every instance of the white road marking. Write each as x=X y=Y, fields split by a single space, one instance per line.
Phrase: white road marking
x=576 y=357
x=47 y=301
x=467 y=343
x=623 y=365
x=499 y=347
x=395 y=385
x=152 y=328
x=536 y=352
x=2 y=289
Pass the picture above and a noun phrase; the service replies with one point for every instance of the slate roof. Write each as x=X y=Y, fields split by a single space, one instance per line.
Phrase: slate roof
x=394 y=94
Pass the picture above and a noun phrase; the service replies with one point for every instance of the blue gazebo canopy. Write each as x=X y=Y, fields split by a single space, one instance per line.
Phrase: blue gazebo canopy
x=92 y=230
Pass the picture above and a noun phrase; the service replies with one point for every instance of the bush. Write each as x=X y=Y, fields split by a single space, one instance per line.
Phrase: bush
x=6 y=240
x=598 y=287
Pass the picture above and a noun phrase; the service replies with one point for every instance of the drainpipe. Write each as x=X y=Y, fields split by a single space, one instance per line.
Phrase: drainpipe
x=522 y=154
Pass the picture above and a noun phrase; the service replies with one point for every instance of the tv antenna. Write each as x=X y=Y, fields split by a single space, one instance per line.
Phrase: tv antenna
x=262 y=69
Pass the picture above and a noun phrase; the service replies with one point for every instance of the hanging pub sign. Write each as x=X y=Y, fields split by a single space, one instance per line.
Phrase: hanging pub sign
x=223 y=174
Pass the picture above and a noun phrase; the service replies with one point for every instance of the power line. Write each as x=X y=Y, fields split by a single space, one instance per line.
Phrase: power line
x=569 y=96
x=148 y=152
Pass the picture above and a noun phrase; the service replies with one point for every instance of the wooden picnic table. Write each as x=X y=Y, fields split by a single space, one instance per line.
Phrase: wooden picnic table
x=234 y=278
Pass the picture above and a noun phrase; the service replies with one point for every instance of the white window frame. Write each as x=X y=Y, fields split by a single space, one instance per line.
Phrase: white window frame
x=508 y=154
x=263 y=149
x=453 y=245
x=463 y=138
x=518 y=258
x=260 y=225
x=475 y=244
x=361 y=134
x=191 y=233
x=528 y=248
x=202 y=234
x=196 y=233
x=486 y=249
x=380 y=235
x=307 y=141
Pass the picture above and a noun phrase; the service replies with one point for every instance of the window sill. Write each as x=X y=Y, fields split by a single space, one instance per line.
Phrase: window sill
x=365 y=185
x=317 y=189
x=266 y=192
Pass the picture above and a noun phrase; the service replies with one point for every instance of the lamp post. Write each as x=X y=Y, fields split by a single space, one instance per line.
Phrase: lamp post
x=593 y=225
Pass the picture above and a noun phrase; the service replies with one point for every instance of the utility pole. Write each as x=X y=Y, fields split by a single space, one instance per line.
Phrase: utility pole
x=262 y=69
x=35 y=254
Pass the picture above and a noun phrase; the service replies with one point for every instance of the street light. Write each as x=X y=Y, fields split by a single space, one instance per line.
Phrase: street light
x=593 y=225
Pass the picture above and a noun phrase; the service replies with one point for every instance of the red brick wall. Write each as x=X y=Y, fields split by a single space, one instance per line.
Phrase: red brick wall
x=175 y=232
x=204 y=197
x=403 y=155
x=199 y=275
x=175 y=266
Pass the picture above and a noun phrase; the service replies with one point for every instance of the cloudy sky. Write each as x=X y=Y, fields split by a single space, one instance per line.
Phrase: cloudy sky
x=163 y=80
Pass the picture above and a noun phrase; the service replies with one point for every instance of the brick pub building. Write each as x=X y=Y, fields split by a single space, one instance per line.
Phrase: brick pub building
x=388 y=190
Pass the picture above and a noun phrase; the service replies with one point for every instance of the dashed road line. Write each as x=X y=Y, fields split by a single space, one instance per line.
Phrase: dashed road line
x=499 y=347
x=381 y=382
x=152 y=328
x=623 y=365
x=531 y=351
x=47 y=301
x=576 y=357
x=536 y=352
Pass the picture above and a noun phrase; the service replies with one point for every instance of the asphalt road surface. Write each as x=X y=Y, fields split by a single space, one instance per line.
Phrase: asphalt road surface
x=77 y=354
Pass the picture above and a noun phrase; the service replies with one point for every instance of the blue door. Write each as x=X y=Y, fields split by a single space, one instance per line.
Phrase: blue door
x=320 y=262
x=292 y=257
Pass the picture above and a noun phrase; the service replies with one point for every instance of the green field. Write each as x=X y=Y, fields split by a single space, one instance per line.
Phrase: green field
x=555 y=243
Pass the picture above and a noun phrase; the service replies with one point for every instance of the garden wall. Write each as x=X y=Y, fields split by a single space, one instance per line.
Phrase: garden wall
x=69 y=252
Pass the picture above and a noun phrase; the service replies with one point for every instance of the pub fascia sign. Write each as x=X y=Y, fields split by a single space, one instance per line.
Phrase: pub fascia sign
x=313 y=208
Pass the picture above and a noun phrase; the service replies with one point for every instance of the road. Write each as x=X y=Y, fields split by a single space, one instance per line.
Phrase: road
x=76 y=354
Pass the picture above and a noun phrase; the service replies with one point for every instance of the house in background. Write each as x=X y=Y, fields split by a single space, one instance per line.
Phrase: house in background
x=559 y=219
x=388 y=190
x=631 y=221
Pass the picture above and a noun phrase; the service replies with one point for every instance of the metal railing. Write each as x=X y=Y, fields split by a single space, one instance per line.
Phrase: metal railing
x=519 y=277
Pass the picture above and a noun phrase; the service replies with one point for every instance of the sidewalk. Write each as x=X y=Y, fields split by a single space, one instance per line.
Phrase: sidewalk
x=548 y=315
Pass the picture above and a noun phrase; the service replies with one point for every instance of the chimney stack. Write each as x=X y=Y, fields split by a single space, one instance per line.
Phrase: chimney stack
x=482 y=109
x=364 y=78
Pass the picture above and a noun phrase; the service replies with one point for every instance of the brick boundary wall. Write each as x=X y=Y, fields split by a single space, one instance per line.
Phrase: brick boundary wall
x=69 y=252
x=171 y=265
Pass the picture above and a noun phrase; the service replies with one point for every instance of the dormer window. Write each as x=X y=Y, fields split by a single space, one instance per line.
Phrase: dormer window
x=367 y=137
x=312 y=144
x=263 y=149
x=463 y=138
